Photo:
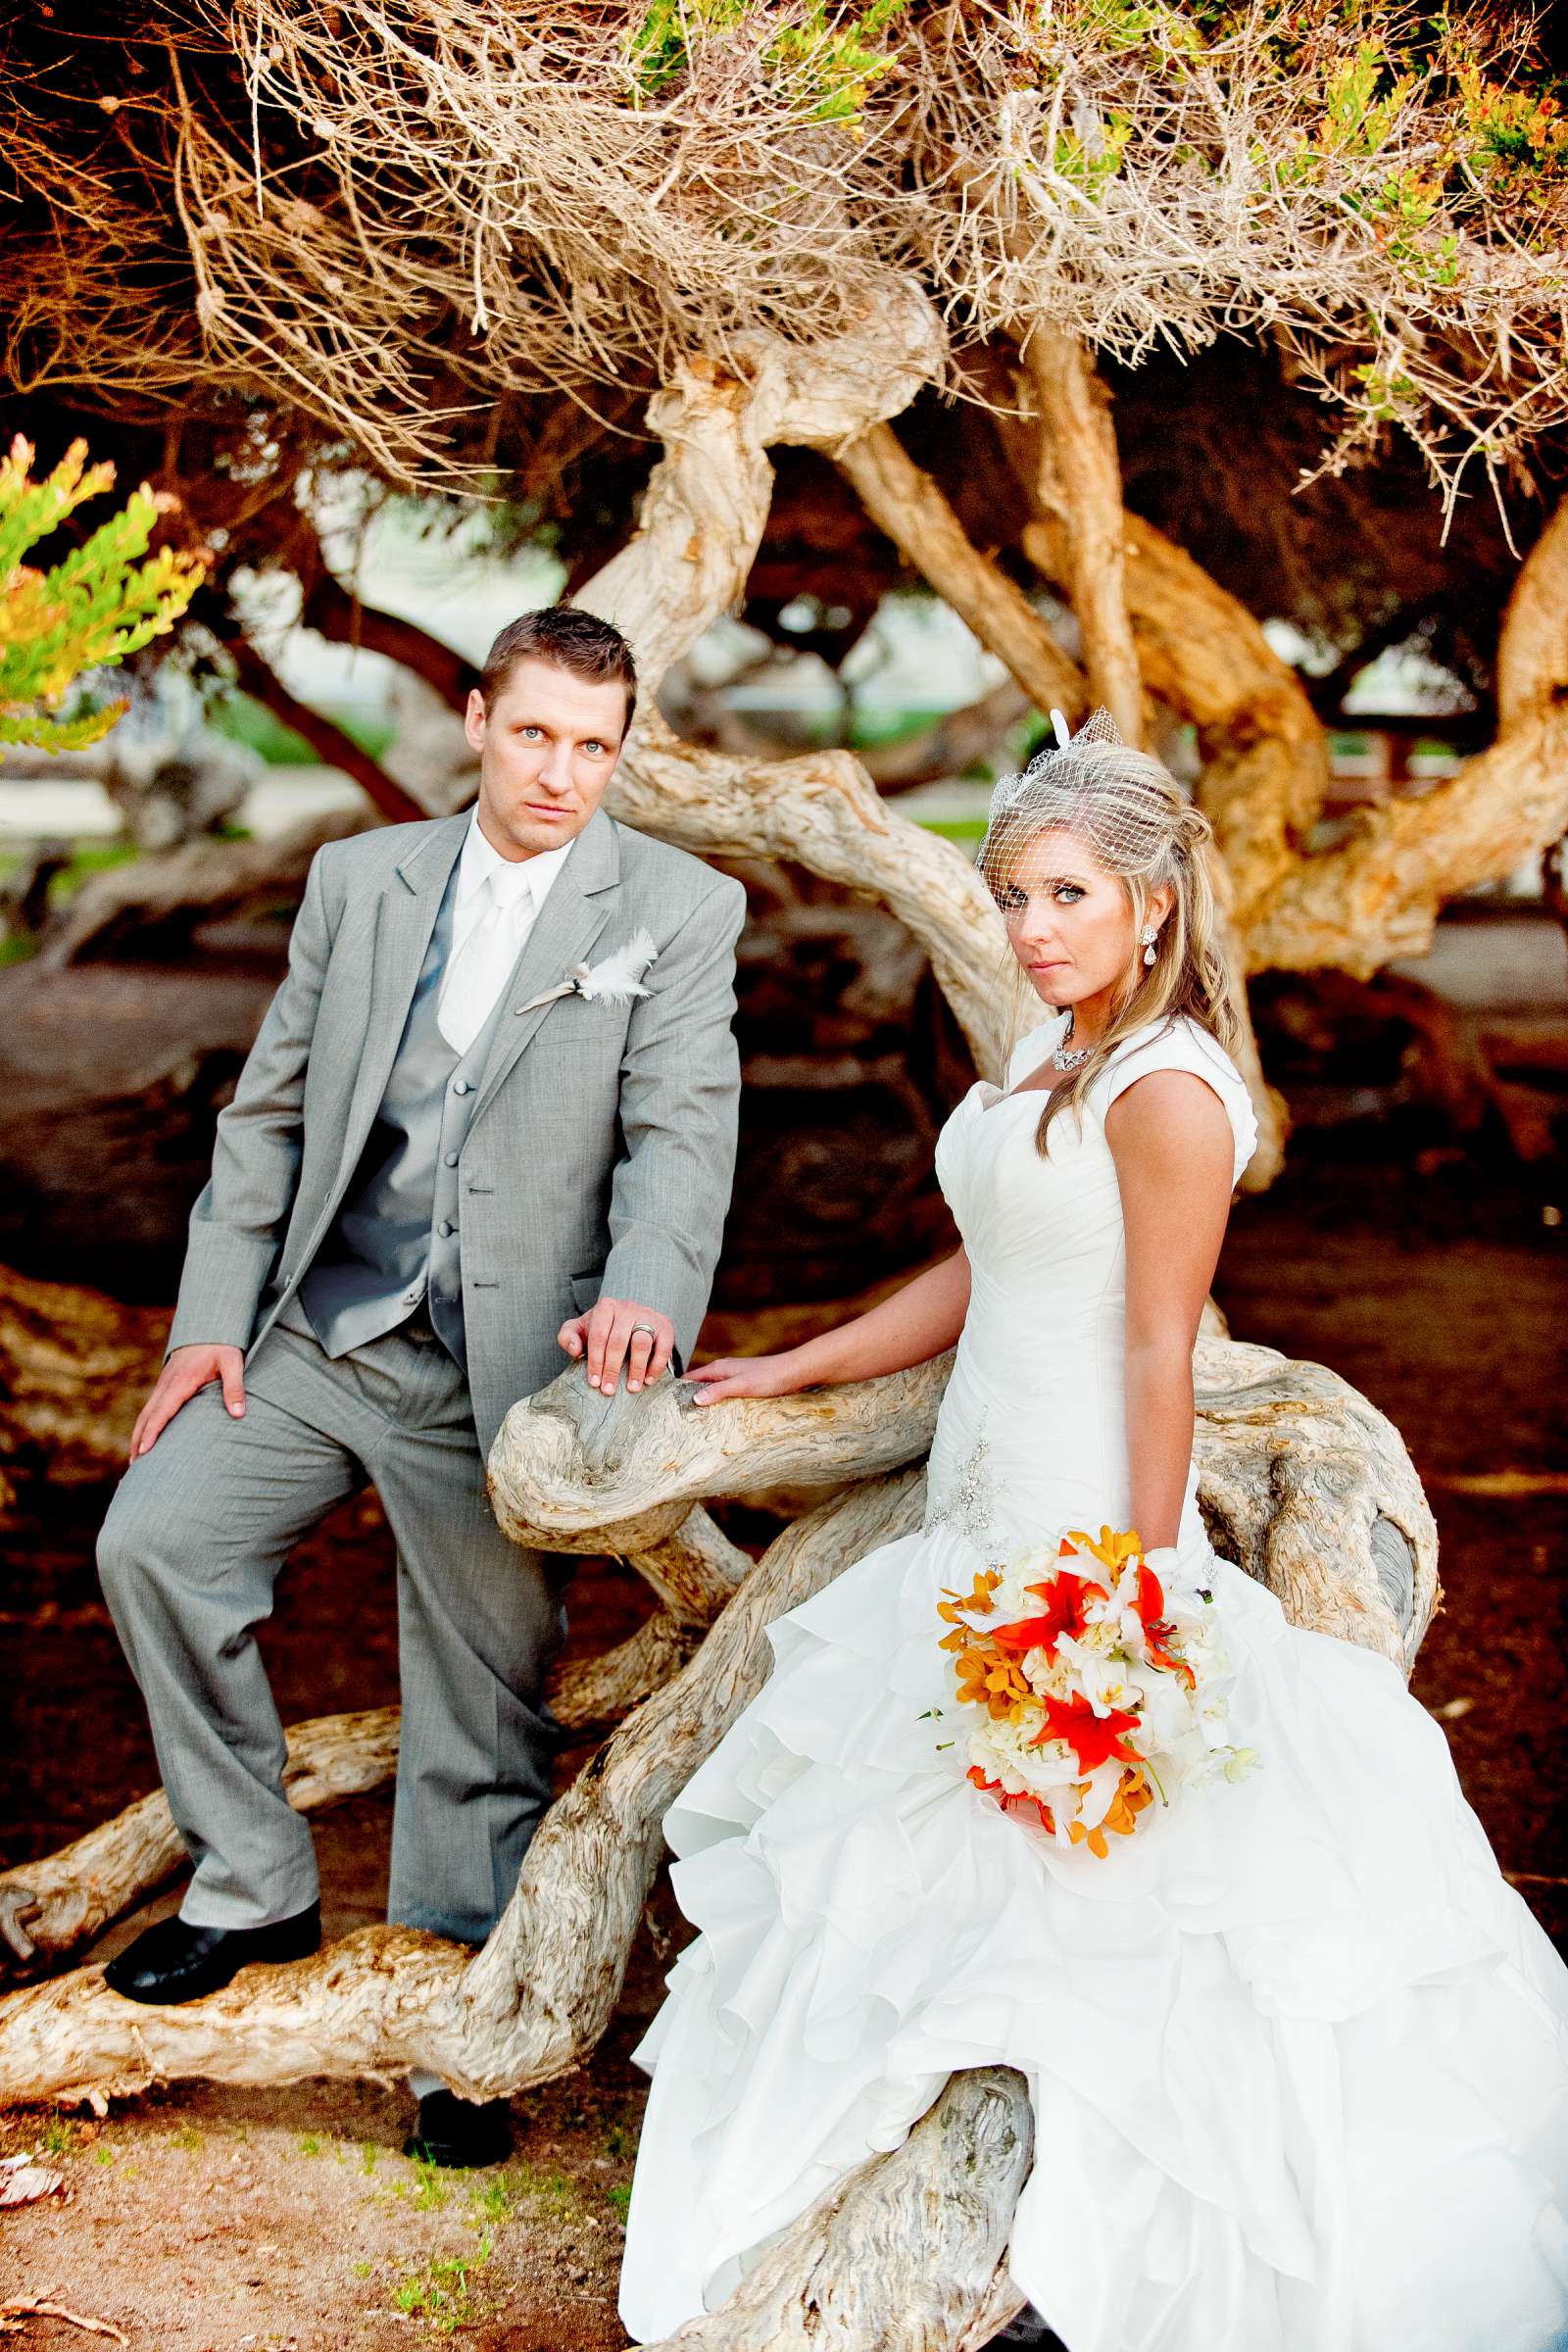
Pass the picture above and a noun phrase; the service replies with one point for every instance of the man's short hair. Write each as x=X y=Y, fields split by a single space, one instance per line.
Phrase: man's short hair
x=590 y=648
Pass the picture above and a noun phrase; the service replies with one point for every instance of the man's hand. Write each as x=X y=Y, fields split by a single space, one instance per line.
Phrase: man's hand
x=616 y=1332
x=188 y=1370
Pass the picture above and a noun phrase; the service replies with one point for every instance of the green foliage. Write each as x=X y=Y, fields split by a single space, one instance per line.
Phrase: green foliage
x=1361 y=105
x=100 y=603
x=1514 y=136
x=832 y=55
x=1088 y=160
x=1140 y=25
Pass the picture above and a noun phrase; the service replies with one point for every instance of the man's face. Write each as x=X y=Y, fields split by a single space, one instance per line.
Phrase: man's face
x=548 y=747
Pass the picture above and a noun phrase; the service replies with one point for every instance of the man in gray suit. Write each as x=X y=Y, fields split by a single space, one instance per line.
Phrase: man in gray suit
x=490 y=1115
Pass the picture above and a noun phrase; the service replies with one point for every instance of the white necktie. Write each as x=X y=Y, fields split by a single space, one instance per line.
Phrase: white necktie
x=482 y=966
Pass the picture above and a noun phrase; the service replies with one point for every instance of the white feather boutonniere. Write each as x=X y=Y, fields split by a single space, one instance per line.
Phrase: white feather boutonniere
x=617 y=979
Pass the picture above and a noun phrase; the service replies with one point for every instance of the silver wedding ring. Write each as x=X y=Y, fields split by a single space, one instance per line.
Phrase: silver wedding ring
x=647 y=1327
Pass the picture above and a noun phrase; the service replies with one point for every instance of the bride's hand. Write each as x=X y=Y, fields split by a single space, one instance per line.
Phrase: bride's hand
x=746 y=1376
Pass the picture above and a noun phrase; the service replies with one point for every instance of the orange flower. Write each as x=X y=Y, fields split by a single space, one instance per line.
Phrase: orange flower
x=1157 y=1632
x=1092 y=1738
x=1067 y=1596
x=1112 y=1548
x=977 y=1601
x=1132 y=1794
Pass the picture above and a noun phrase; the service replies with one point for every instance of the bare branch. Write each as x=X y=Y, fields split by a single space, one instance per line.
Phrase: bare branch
x=325 y=738
x=1080 y=480
x=905 y=503
x=328 y=608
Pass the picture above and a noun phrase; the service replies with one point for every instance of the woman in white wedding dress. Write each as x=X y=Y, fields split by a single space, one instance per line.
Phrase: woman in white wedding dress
x=1299 y=2056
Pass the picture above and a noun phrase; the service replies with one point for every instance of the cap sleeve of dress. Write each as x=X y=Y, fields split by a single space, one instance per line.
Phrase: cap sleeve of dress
x=1180 y=1045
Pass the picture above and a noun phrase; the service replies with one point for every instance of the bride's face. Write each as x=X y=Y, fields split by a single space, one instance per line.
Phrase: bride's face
x=1070 y=922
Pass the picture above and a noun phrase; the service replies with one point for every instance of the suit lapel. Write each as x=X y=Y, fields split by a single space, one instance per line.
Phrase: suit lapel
x=581 y=901
x=405 y=918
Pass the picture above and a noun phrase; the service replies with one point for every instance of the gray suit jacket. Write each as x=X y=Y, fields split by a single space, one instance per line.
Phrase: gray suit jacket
x=603 y=1143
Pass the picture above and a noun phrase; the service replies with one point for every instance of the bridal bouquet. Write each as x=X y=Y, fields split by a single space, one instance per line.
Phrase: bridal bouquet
x=1096 y=1691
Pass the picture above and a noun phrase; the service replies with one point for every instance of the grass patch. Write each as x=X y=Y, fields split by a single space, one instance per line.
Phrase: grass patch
x=541 y=2187
x=492 y=2205
x=187 y=2137
x=619 y=2199
x=439 y=2293
x=309 y=2144
x=966 y=830
x=432 y=2190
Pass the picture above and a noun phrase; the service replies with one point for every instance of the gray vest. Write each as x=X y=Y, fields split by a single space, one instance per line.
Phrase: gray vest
x=394 y=1242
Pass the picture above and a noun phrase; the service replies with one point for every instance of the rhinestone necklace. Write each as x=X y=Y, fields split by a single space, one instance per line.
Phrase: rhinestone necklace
x=1063 y=1060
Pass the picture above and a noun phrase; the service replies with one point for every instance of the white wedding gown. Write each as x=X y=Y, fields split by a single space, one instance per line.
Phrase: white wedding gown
x=1299 y=2055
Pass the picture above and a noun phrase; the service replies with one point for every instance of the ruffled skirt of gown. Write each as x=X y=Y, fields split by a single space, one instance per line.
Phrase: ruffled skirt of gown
x=1299 y=2055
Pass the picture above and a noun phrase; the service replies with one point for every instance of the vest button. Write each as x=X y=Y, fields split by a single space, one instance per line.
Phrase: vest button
x=460 y=1086
x=445 y=1230
x=452 y=1159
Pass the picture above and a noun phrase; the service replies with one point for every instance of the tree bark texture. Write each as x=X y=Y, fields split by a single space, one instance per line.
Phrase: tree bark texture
x=707 y=502
x=910 y=2251
x=1080 y=481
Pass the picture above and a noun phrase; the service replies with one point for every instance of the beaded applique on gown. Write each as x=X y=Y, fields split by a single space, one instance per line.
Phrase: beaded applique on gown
x=1299 y=2055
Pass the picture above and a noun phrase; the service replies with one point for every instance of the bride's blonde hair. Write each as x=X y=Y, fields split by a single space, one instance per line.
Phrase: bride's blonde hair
x=1136 y=823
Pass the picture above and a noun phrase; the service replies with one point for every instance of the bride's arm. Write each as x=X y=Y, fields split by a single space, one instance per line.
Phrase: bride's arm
x=918 y=1321
x=1171 y=1140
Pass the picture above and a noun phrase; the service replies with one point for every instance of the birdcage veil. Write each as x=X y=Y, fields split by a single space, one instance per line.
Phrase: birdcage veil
x=1123 y=803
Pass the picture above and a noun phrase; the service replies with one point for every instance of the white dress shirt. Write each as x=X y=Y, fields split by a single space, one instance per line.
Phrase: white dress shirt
x=497 y=904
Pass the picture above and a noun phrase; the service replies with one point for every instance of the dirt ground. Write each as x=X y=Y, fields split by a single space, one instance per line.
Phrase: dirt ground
x=201 y=2220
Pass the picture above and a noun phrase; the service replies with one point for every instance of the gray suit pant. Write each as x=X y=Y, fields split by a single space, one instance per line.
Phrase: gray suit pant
x=189 y=1555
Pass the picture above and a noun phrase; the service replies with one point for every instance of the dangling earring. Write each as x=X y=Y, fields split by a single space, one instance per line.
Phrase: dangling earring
x=1150 y=935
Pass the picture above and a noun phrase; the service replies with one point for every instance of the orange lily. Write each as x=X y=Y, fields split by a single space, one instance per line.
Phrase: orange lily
x=1067 y=1596
x=1091 y=1737
x=1157 y=1633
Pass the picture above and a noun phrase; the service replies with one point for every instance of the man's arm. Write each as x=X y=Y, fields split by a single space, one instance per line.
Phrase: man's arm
x=236 y=1224
x=680 y=1099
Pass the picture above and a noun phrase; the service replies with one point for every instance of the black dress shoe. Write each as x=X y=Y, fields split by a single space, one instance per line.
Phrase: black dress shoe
x=461 y=2133
x=172 y=1961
